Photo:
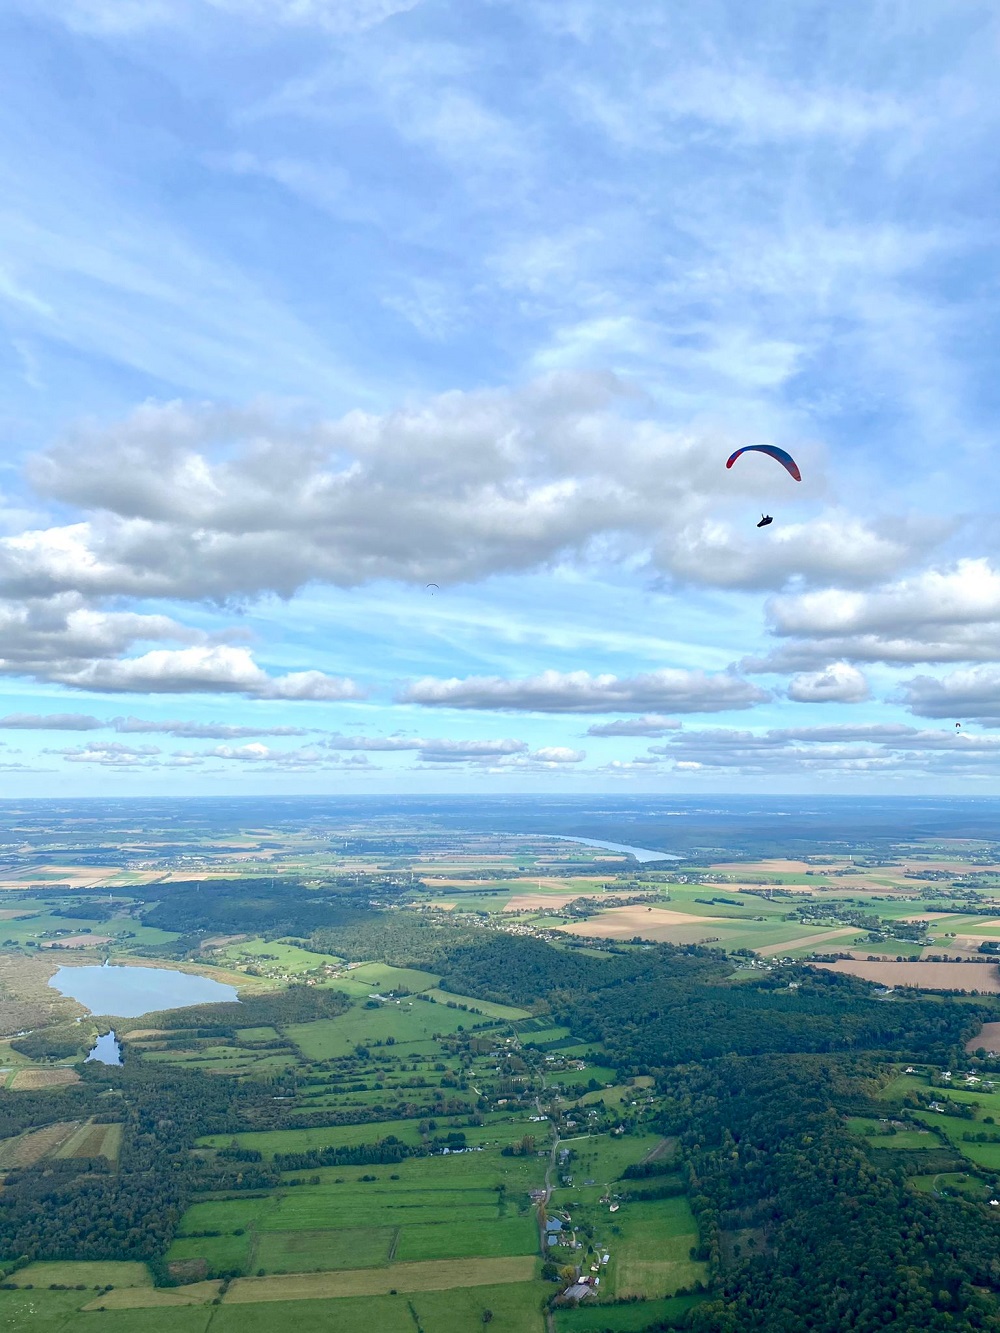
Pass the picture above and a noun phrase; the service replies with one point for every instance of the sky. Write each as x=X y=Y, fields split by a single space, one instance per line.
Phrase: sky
x=369 y=368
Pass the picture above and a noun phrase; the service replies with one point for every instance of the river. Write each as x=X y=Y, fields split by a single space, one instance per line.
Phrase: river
x=640 y=853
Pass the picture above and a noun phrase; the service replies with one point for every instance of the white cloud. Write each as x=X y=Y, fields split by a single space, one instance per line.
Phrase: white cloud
x=580 y=692
x=889 y=750
x=970 y=695
x=111 y=754
x=212 y=669
x=838 y=683
x=650 y=724
x=193 y=503
x=266 y=757
x=937 y=615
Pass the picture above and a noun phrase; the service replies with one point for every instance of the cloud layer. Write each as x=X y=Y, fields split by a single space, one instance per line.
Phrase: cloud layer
x=580 y=692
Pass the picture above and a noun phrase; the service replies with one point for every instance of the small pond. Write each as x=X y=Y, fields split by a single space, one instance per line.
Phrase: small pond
x=106 y=1050
x=131 y=991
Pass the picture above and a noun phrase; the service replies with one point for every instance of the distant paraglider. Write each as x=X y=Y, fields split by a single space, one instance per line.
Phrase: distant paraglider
x=958 y=726
x=765 y=519
x=779 y=455
x=432 y=588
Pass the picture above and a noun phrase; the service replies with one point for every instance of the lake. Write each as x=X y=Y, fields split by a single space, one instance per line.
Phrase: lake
x=640 y=853
x=106 y=1050
x=131 y=991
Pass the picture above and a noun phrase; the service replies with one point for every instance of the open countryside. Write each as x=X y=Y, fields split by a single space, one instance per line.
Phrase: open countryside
x=433 y=1109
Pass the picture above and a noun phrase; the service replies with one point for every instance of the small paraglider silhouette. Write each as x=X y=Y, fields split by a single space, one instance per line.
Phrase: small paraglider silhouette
x=432 y=588
x=765 y=519
x=958 y=726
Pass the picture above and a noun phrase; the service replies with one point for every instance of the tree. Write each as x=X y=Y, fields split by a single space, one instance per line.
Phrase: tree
x=487 y=1316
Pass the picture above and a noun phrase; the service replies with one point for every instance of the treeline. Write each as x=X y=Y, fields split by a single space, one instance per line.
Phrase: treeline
x=297 y=1004
x=387 y=1152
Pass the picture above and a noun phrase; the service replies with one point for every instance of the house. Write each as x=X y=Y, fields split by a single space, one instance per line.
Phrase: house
x=576 y=1292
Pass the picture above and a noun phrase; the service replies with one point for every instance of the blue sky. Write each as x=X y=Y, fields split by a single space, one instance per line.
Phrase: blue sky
x=306 y=305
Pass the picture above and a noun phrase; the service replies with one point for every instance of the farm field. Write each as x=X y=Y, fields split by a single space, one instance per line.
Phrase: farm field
x=404 y=1277
x=100 y=1273
x=982 y=977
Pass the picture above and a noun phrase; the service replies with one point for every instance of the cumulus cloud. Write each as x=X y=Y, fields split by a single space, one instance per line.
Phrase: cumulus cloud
x=938 y=615
x=208 y=668
x=547 y=759
x=111 y=754
x=651 y=724
x=970 y=695
x=839 y=683
x=580 y=692
x=893 y=750
x=256 y=753
x=195 y=502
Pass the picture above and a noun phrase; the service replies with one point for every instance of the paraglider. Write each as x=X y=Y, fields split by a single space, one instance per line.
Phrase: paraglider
x=779 y=455
x=772 y=451
x=958 y=726
x=432 y=588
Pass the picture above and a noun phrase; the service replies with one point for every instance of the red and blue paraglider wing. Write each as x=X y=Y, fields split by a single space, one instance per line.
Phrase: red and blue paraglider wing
x=786 y=460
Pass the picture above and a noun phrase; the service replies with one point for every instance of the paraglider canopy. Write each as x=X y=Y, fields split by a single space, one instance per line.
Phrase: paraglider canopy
x=765 y=519
x=772 y=451
x=958 y=726
x=432 y=588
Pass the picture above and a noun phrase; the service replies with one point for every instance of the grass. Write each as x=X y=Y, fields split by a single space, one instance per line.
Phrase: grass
x=487 y=1007
x=466 y=1240
x=382 y=977
x=307 y=1251
x=349 y=1314
x=651 y=1257
x=92 y=1273
x=270 y=1141
x=152 y=1298
x=408 y=1022
x=223 y=1254
x=442 y=1275
x=884 y=1137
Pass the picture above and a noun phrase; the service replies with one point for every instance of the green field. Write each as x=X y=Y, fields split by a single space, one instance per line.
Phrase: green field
x=651 y=1257
x=98 y=1273
x=406 y=1022
x=305 y=1251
